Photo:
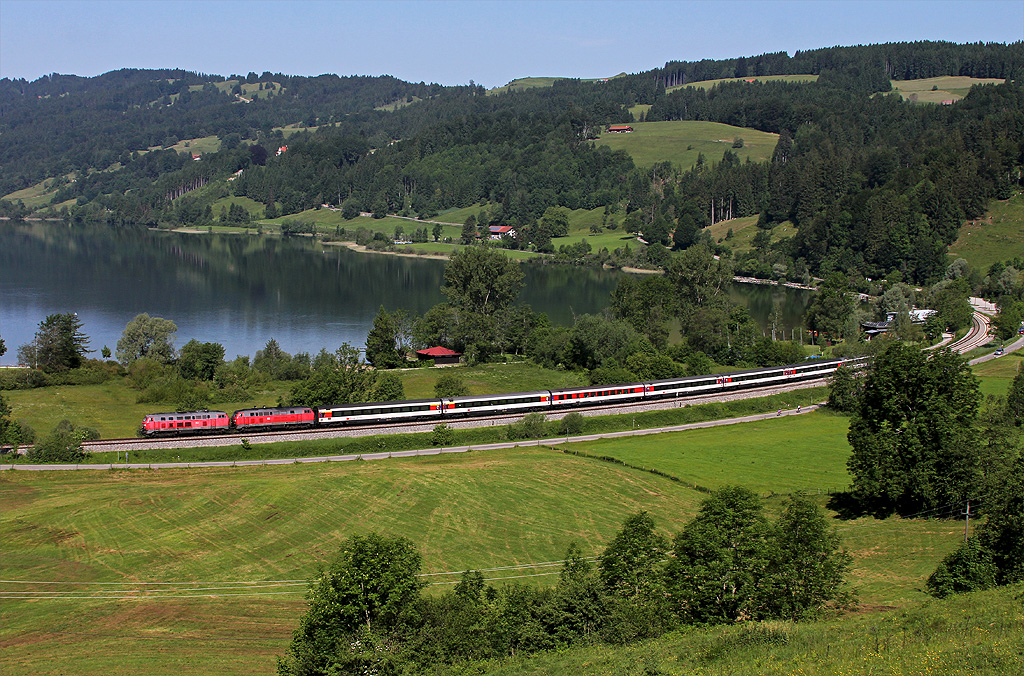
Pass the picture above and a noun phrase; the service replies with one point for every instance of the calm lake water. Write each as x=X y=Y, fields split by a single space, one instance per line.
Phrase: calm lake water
x=241 y=291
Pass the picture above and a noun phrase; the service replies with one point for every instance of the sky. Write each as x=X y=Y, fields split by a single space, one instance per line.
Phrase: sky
x=453 y=42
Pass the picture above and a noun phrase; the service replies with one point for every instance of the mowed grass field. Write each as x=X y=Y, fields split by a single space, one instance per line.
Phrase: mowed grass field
x=681 y=142
x=996 y=236
x=480 y=510
x=938 y=89
x=476 y=510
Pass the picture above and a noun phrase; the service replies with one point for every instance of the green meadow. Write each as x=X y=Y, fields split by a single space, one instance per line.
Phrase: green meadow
x=478 y=510
x=111 y=407
x=996 y=236
x=708 y=84
x=681 y=142
x=971 y=635
x=938 y=89
x=35 y=196
x=487 y=509
x=522 y=83
x=995 y=375
x=792 y=453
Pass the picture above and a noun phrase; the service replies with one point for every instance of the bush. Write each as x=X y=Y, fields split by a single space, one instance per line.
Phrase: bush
x=442 y=436
x=572 y=423
x=532 y=426
x=450 y=385
x=969 y=568
x=64 y=444
x=22 y=379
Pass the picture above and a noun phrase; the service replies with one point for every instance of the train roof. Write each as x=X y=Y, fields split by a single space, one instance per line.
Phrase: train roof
x=186 y=413
x=817 y=363
x=271 y=409
x=591 y=388
x=378 y=404
x=502 y=396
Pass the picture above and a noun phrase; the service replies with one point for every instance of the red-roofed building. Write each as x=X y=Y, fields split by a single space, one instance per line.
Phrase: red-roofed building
x=620 y=129
x=499 y=231
x=440 y=355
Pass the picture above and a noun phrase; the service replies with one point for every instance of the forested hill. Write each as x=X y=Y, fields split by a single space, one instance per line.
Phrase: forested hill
x=872 y=182
x=875 y=65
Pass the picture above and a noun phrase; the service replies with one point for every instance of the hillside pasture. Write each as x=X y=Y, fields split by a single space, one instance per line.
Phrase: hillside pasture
x=522 y=83
x=198 y=146
x=743 y=231
x=35 y=196
x=250 y=90
x=681 y=142
x=976 y=634
x=708 y=84
x=255 y=209
x=938 y=89
x=996 y=236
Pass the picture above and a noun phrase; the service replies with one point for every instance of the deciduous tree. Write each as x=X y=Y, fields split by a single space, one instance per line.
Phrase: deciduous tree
x=364 y=592
x=721 y=556
x=481 y=280
x=450 y=385
x=630 y=565
x=915 y=445
x=199 y=361
x=146 y=336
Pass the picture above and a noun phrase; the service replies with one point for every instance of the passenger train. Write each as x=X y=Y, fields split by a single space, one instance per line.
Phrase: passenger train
x=440 y=410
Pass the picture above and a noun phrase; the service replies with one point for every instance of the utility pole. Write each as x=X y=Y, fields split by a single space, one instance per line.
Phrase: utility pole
x=968 y=521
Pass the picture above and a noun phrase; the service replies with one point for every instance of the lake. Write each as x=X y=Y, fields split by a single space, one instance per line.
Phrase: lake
x=242 y=290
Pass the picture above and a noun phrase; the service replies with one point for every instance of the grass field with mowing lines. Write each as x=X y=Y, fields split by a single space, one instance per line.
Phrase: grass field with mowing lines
x=681 y=142
x=477 y=510
x=996 y=236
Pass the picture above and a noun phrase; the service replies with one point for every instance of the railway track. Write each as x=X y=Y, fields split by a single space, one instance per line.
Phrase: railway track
x=140 y=444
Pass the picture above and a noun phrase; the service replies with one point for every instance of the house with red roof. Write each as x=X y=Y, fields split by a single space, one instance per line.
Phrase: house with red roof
x=440 y=355
x=499 y=231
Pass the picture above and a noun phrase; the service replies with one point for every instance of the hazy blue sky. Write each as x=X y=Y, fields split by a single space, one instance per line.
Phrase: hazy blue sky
x=490 y=42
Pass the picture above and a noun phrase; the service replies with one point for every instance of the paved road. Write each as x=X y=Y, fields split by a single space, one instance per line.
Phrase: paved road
x=419 y=452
